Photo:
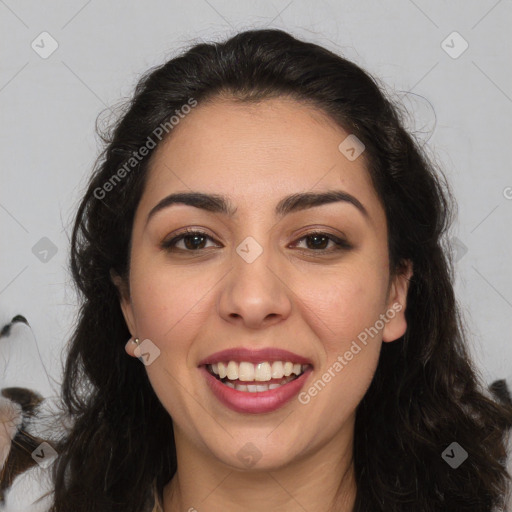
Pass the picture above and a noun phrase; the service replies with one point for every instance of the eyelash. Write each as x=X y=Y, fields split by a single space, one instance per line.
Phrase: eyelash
x=169 y=245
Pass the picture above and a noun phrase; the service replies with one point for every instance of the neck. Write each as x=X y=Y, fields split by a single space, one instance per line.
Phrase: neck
x=323 y=480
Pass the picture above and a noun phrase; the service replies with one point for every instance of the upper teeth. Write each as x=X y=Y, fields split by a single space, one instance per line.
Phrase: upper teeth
x=265 y=371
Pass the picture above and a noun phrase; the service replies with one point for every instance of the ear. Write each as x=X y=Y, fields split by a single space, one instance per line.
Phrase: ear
x=126 y=308
x=397 y=302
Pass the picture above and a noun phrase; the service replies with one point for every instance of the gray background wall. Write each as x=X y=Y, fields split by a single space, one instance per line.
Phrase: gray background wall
x=460 y=101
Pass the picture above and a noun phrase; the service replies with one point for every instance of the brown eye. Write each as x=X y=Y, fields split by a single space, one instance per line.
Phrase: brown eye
x=319 y=241
x=193 y=241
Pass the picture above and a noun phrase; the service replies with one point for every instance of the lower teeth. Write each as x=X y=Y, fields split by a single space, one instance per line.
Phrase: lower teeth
x=260 y=387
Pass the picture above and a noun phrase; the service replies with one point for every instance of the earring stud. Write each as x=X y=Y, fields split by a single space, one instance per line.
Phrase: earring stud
x=136 y=341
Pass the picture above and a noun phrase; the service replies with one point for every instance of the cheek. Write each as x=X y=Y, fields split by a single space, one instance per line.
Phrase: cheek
x=168 y=304
x=170 y=309
x=341 y=305
x=344 y=312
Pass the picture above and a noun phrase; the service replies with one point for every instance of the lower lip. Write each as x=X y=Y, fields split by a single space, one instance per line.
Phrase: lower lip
x=255 y=403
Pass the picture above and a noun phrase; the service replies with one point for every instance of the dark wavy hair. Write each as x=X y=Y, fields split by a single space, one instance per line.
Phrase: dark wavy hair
x=426 y=392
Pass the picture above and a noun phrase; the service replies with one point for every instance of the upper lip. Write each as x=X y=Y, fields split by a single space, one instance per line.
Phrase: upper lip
x=254 y=356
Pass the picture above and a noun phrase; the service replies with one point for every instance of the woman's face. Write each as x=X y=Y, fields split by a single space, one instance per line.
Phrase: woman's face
x=253 y=283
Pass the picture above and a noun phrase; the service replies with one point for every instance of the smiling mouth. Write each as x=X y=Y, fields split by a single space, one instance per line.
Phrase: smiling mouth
x=254 y=378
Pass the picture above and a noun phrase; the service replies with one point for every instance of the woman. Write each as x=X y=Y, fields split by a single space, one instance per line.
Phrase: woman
x=268 y=317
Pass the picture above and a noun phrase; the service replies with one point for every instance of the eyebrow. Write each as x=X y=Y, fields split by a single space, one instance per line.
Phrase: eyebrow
x=295 y=202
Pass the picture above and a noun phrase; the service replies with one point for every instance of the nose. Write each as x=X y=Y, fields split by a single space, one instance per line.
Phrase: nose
x=255 y=295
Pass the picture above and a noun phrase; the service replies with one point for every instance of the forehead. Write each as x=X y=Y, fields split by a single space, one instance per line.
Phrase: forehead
x=256 y=153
